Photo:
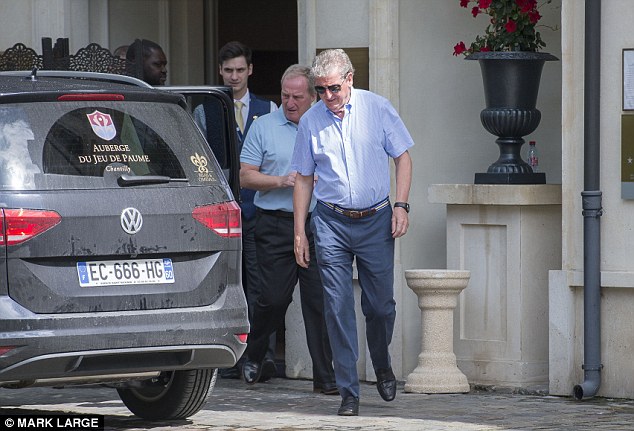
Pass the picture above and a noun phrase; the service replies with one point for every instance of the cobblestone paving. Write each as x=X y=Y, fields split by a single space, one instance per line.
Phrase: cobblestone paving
x=284 y=404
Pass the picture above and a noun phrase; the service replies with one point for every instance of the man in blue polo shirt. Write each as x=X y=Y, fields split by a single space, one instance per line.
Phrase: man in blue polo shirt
x=346 y=140
x=266 y=167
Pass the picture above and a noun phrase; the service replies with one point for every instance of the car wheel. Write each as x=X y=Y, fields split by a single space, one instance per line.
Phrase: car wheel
x=173 y=395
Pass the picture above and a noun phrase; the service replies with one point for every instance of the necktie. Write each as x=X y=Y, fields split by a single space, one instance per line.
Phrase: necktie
x=239 y=118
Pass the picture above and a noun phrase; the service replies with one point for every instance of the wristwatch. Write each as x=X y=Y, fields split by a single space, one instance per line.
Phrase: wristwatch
x=403 y=205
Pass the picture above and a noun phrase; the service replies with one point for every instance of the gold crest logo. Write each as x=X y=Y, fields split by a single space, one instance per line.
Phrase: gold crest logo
x=200 y=162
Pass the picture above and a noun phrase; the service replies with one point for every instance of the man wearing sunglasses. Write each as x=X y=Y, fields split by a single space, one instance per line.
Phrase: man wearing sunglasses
x=266 y=167
x=346 y=140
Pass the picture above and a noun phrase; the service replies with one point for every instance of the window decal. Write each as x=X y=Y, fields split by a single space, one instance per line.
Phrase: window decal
x=102 y=125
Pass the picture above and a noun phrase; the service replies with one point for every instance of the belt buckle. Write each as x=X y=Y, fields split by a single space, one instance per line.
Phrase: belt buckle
x=355 y=214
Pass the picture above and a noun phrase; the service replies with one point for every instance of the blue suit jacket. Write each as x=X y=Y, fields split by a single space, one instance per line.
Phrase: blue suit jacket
x=257 y=107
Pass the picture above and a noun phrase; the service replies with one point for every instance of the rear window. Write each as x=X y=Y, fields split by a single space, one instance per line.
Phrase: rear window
x=54 y=145
x=86 y=143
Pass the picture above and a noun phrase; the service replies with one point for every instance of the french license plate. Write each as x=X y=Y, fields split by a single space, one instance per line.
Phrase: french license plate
x=113 y=272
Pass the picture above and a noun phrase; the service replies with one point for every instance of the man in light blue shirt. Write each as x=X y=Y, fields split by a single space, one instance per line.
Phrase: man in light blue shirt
x=346 y=140
x=266 y=167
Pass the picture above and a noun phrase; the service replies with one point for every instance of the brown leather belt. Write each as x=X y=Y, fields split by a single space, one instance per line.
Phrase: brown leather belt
x=357 y=213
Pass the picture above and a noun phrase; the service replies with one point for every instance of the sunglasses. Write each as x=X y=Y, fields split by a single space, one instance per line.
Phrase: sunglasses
x=332 y=88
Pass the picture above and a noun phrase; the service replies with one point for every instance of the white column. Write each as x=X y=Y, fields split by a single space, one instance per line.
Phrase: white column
x=437 y=291
x=306 y=31
x=383 y=49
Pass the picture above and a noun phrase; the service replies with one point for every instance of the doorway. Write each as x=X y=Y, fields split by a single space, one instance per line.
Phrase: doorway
x=269 y=28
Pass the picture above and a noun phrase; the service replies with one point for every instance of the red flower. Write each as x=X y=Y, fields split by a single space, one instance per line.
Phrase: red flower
x=459 y=48
x=526 y=5
x=534 y=16
x=511 y=26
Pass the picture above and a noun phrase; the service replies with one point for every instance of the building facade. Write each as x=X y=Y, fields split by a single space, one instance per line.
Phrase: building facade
x=409 y=45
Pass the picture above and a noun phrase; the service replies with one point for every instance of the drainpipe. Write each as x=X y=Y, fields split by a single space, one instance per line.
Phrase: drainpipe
x=592 y=211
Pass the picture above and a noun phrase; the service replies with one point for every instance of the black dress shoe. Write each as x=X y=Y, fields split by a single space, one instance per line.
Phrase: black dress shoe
x=268 y=370
x=251 y=371
x=349 y=406
x=325 y=388
x=386 y=383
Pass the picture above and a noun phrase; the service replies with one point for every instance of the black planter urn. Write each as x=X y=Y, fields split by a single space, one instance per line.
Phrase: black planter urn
x=511 y=84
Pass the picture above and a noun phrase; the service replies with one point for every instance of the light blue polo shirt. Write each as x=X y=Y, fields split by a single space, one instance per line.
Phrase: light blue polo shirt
x=350 y=156
x=269 y=145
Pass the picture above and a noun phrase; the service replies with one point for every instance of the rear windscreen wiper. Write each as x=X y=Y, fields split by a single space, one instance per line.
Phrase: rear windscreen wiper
x=134 y=180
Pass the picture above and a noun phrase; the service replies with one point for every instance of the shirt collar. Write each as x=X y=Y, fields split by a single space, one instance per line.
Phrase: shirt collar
x=347 y=106
x=281 y=118
x=245 y=99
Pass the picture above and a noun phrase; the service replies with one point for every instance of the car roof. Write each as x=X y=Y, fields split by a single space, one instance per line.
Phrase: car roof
x=24 y=86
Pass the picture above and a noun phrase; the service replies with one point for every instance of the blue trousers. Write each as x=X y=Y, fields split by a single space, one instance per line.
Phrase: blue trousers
x=339 y=240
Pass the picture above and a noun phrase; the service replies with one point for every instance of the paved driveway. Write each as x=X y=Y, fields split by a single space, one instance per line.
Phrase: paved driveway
x=284 y=404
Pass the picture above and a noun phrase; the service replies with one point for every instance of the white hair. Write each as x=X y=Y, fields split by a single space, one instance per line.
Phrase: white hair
x=331 y=61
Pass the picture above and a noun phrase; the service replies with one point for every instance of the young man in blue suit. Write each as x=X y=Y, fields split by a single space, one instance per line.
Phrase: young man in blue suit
x=235 y=67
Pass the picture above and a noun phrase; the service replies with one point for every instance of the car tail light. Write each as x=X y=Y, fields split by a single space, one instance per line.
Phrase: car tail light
x=19 y=225
x=224 y=218
x=242 y=338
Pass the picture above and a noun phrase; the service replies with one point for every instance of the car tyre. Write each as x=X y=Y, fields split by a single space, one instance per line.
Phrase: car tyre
x=174 y=395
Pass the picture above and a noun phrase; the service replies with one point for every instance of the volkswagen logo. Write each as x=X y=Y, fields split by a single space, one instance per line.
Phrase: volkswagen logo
x=131 y=220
